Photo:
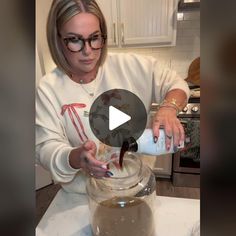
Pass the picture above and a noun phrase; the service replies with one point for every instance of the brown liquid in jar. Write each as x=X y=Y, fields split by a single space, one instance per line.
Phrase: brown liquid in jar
x=122 y=216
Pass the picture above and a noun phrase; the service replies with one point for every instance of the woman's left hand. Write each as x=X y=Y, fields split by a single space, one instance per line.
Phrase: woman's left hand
x=166 y=118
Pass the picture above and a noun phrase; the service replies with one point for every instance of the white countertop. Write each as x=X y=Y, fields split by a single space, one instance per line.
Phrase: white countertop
x=68 y=215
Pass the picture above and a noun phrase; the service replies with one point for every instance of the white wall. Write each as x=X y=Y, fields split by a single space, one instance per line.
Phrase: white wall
x=42 y=9
x=42 y=176
x=43 y=60
x=39 y=72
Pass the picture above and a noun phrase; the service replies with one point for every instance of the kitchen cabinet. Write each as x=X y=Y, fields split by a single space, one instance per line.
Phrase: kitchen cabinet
x=140 y=23
x=42 y=177
x=161 y=165
x=109 y=9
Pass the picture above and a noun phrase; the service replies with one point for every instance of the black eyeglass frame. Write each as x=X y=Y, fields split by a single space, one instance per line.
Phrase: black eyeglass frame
x=89 y=39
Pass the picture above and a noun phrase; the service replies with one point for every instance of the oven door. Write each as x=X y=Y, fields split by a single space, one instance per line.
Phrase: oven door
x=186 y=163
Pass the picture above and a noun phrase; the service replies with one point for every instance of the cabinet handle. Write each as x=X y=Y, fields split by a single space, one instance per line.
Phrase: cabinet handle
x=114 y=33
x=122 y=33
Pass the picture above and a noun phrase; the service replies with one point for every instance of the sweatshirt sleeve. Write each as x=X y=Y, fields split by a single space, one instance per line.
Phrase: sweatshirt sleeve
x=52 y=145
x=164 y=80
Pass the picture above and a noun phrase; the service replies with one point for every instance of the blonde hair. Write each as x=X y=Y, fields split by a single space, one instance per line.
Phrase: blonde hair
x=61 y=11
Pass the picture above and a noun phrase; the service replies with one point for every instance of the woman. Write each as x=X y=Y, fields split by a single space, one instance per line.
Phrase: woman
x=65 y=144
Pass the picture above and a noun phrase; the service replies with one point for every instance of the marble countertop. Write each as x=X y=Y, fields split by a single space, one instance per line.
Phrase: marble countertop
x=68 y=215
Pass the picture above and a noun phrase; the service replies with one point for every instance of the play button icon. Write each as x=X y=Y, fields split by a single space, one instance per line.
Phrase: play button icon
x=116 y=115
x=117 y=118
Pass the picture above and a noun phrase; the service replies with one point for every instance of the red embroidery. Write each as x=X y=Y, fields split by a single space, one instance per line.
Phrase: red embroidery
x=71 y=108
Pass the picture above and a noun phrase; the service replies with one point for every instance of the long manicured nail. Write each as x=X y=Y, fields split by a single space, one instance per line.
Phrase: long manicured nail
x=155 y=139
x=109 y=173
x=168 y=147
x=104 y=167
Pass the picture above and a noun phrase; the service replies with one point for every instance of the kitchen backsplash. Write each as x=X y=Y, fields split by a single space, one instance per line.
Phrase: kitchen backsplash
x=187 y=46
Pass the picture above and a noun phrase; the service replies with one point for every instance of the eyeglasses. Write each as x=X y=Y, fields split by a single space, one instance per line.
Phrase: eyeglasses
x=77 y=43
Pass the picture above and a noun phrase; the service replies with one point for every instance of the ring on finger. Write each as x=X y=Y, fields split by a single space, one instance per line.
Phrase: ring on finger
x=169 y=136
x=91 y=174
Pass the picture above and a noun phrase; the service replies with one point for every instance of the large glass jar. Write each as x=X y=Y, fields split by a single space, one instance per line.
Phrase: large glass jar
x=123 y=204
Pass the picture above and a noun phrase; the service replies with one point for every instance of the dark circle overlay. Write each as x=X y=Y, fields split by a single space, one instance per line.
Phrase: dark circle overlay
x=126 y=102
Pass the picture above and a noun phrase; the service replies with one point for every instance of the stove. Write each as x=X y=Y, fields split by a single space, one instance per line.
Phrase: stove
x=191 y=110
x=186 y=163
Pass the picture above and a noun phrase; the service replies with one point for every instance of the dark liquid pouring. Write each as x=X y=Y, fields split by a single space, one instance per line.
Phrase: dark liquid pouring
x=128 y=145
x=123 y=150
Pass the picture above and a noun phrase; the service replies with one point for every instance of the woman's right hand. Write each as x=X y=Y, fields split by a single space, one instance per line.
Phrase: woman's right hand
x=84 y=157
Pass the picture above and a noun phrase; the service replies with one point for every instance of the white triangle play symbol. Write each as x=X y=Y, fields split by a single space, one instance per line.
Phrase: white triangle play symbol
x=117 y=118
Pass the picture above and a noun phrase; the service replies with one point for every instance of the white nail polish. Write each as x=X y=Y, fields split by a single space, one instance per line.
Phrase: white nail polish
x=104 y=167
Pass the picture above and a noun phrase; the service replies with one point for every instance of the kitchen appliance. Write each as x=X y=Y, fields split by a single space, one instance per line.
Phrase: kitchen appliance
x=186 y=163
x=188 y=5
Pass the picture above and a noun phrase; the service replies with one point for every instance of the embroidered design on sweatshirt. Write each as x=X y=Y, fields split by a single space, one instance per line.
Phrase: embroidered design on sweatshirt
x=70 y=108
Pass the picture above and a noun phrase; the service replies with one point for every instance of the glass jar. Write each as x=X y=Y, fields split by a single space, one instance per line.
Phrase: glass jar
x=123 y=204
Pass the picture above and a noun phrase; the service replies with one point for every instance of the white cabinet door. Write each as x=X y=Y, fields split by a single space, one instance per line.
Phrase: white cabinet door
x=147 y=22
x=109 y=9
x=42 y=177
x=140 y=22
